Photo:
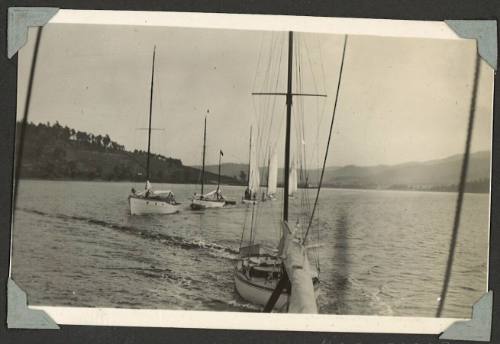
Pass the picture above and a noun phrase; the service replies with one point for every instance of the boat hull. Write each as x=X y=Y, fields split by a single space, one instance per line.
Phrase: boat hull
x=248 y=201
x=144 y=206
x=198 y=204
x=258 y=291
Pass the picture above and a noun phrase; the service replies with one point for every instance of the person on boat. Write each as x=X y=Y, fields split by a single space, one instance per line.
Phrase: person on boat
x=148 y=189
x=132 y=191
x=218 y=194
x=248 y=193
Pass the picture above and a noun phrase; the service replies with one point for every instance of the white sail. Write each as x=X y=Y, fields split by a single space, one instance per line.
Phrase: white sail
x=292 y=180
x=254 y=175
x=272 y=178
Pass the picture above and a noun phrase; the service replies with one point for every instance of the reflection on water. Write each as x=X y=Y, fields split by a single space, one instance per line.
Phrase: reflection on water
x=382 y=252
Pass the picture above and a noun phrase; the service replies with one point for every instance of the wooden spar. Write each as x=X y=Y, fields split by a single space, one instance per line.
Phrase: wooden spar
x=204 y=147
x=302 y=298
x=284 y=94
x=150 y=112
x=298 y=269
x=288 y=125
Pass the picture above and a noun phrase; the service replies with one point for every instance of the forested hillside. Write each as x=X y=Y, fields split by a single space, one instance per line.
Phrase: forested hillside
x=57 y=152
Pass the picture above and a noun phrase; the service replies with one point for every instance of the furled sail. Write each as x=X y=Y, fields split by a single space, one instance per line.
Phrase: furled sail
x=272 y=178
x=254 y=175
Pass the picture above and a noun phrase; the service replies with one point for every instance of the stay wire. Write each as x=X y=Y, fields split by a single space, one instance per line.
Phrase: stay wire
x=329 y=139
x=461 y=190
x=24 y=123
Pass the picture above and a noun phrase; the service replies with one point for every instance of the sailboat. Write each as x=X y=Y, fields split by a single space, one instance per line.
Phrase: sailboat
x=253 y=186
x=213 y=199
x=151 y=201
x=261 y=277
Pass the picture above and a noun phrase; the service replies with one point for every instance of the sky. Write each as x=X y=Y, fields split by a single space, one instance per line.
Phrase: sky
x=400 y=99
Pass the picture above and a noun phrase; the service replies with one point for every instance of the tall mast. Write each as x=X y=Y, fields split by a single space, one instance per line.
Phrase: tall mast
x=150 y=112
x=204 y=147
x=288 y=125
x=218 y=178
x=284 y=281
x=249 y=158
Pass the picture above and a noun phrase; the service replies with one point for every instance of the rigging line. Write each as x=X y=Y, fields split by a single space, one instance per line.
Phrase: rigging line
x=269 y=80
x=311 y=67
x=300 y=130
x=265 y=142
x=317 y=102
x=258 y=61
x=329 y=138
x=301 y=116
x=27 y=105
x=301 y=134
x=318 y=240
x=266 y=72
x=271 y=66
x=252 y=228
x=273 y=107
x=461 y=188
x=244 y=227
x=323 y=81
x=265 y=114
x=322 y=65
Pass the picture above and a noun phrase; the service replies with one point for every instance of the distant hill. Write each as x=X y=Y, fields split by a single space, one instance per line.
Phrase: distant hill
x=420 y=175
x=57 y=152
x=436 y=175
x=233 y=170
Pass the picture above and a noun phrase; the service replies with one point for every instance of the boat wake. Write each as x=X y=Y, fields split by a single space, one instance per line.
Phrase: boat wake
x=340 y=293
x=249 y=307
x=213 y=249
x=374 y=297
x=237 y=304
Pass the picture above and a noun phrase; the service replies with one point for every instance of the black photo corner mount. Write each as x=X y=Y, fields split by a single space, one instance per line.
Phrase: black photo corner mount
x=477 y=329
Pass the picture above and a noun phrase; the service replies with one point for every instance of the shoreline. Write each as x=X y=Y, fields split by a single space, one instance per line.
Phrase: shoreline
x=243 y=185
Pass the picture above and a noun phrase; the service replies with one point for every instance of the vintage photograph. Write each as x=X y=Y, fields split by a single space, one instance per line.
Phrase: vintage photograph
x=202 y=169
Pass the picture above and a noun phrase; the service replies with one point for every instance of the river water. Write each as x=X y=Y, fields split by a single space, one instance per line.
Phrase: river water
x=381 y=253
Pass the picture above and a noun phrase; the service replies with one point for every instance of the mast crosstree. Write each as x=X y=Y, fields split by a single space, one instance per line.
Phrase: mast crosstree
x=289 y=100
